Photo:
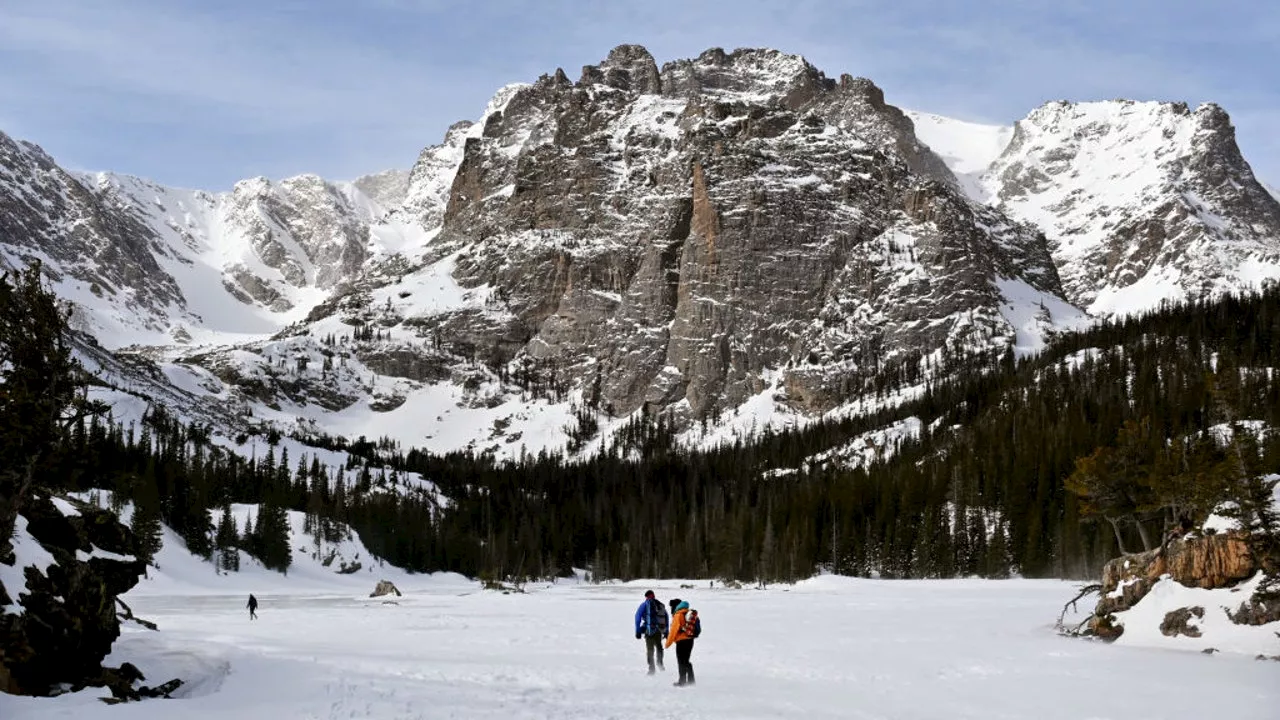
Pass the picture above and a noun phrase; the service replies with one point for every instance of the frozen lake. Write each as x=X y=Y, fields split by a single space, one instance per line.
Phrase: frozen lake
x=826 y=648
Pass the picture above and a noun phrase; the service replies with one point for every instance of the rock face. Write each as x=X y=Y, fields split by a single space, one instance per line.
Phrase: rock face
x=58 y=629
x=1178 y=622
x=1209 y=562
x=695 y=236
x=86 y=236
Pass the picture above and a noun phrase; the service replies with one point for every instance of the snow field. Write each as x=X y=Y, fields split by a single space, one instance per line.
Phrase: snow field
x=826 y=648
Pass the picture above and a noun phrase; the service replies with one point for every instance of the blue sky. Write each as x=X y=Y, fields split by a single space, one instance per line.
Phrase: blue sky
x=200 y=94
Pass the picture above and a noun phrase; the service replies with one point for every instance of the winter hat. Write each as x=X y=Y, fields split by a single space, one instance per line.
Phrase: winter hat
x=648 y=593
x=674 y=602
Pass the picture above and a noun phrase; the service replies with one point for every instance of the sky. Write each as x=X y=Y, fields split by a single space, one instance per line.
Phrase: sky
x=202 y=94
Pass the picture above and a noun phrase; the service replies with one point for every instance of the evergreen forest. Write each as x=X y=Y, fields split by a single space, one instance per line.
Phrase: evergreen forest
x=1041 y=467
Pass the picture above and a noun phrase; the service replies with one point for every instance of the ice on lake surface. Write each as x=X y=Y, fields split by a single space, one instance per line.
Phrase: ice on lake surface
x=825 y=648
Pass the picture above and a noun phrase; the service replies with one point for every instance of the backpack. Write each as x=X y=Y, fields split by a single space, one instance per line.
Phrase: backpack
x=658 y=620
x=692 y=626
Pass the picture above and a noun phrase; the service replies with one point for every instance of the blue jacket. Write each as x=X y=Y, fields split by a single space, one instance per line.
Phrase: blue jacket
x=651 y=618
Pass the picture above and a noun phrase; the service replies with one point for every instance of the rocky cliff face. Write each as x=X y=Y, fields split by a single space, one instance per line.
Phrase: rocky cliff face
x=87 y=239
x=685 y=237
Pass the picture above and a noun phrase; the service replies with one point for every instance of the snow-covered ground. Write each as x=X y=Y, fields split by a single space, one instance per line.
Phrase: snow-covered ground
x=825 y=648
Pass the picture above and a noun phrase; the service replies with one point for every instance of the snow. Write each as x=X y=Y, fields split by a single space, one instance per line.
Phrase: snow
x=1142 y=621
x=99 y=553
x=1034 y=315
x=27 y=553
x=877 y=445
x=830 y=647
x=967 y=148
x=1219 y=523
x=1147 y=292
x=64 y=507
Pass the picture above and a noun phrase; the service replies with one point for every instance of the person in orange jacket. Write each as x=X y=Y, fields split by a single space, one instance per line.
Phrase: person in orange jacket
x=685 y=626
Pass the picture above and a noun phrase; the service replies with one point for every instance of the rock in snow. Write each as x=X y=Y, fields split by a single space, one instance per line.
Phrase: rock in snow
x=385 y=587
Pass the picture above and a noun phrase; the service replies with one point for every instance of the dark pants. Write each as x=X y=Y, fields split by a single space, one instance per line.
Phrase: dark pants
x=653 y=643
x=684 y=648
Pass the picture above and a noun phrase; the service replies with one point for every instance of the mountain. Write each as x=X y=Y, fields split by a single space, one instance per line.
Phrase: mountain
x=1142 y=202
x=735 y=240
x=725 y=226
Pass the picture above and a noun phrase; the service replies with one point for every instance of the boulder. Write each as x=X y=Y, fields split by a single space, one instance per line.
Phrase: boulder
x=385 y=587
x=1178 y=622
x=65 y=621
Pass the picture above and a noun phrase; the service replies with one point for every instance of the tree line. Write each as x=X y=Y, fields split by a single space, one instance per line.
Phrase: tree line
x=1042 y=467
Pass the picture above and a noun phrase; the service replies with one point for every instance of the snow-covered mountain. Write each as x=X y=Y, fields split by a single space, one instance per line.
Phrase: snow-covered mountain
x=147 y=264
x=734 y=239
x=1143 y=202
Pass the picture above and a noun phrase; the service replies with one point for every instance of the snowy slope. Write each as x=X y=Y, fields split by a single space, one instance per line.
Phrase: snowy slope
x=315 y=566
x=967 y=148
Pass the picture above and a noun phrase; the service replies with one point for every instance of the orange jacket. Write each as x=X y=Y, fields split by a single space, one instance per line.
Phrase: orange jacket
x=680 y=630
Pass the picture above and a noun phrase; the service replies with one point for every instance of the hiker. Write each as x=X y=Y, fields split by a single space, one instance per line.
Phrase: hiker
x=253 y=607
x=651 y=624
x=685 y=626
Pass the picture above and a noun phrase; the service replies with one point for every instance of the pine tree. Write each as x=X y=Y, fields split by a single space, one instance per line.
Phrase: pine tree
x=228 y=541
x=145 y=522
x=42 y=389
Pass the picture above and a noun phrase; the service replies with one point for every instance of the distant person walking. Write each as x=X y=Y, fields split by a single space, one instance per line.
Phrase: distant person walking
x=685 y=626
x=253 y=607
x=651 y=624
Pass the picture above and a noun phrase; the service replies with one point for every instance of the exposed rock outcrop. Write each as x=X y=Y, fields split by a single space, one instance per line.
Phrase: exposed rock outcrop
x=1209 y=562
x=1178 y=622
x=56 y=631
x=385 y=587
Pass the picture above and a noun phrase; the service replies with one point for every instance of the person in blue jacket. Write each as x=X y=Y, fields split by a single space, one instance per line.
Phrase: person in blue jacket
x=651 y=624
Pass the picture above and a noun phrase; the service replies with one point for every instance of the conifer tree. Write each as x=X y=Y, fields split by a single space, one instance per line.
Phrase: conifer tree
x=228 y=541
x=145 y=523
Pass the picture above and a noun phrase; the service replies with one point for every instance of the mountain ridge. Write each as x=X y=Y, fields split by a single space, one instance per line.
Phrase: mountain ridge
x=591 y=248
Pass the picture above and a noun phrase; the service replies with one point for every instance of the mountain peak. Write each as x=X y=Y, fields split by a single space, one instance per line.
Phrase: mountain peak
x=1144 y=201
x=629 y=68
